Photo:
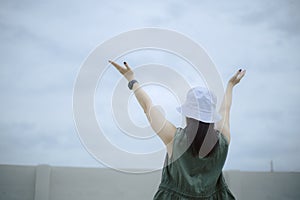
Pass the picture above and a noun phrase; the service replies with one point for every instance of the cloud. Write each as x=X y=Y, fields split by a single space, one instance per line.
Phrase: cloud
x=276 y=15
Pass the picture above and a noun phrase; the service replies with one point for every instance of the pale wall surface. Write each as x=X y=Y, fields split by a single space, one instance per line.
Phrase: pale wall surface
x=63 y=183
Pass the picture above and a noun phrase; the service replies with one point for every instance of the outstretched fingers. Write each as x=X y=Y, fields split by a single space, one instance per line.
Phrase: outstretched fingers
x=127 y=66
x=241 y=74
x=237 y=73
x=237 y=76
x=115 y=64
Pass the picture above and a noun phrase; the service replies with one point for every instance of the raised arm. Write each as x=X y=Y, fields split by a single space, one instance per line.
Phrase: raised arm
x=224 y=124
x=164 y=129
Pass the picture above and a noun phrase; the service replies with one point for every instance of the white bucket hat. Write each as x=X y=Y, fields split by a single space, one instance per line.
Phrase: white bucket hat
x=200 y=104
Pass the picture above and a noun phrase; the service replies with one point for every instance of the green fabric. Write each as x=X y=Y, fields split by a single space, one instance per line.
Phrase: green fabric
x=187 y=177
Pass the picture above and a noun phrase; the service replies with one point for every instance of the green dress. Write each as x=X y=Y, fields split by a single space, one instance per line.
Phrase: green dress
x=188 y=177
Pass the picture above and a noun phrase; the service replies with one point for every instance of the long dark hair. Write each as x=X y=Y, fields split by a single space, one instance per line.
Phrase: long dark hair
x=196 y=133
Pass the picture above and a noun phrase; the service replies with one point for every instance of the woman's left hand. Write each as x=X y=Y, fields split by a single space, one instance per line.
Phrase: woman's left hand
x=237 y=77
x=126 y=72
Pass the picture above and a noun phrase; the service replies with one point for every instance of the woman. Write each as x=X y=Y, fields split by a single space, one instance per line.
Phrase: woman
x=195 y=154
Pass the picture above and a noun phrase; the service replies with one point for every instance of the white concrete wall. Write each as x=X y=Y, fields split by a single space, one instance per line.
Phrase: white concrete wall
x=264 y=185
x=63 y=183
x=17 y=182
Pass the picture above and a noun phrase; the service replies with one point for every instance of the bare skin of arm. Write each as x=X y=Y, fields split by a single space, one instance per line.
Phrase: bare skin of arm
x=162 y=127
x=224 y=124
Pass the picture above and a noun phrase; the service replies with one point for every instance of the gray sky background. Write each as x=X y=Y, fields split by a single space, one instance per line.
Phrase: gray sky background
x=43 y=45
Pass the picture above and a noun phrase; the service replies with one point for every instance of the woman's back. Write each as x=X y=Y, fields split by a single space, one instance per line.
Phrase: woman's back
x=187 y=177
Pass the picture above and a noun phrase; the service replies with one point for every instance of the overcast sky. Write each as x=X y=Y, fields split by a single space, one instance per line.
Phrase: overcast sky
x=43 y=45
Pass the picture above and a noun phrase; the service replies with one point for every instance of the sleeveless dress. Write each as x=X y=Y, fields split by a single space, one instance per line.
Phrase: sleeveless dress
x=185 y=177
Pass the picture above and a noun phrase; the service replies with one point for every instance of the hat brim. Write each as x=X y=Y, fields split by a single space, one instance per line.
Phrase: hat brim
x=206 y=117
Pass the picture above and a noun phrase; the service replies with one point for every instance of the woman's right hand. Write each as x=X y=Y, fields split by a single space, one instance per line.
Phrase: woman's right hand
x=125 y=71
x=237 y=77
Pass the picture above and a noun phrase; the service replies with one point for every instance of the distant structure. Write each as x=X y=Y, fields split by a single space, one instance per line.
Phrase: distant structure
x=271 y=166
